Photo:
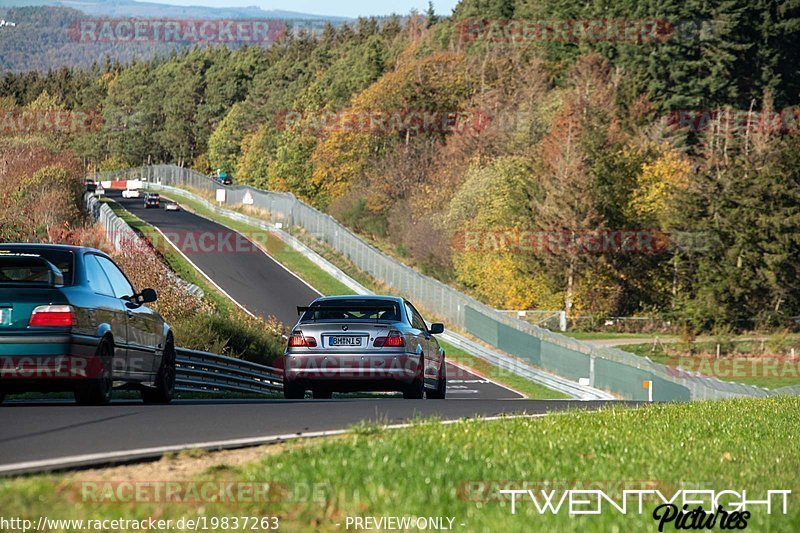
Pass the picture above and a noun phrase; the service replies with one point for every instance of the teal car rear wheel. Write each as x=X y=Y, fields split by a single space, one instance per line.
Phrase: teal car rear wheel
x=165 y=380
x=98 y=391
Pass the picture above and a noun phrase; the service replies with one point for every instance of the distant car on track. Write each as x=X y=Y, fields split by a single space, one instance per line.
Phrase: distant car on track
x=152 y=200
x=71 y=321
x=222 y=178
x=172 y=206
x=364 y=343
x=131 y=193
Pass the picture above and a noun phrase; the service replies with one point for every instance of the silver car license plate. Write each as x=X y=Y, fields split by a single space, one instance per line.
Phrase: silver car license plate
x=5 y=316
x=344 y=341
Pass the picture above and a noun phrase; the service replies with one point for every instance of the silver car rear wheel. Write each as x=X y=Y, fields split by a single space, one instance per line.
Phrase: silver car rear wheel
x=416 y=391
x=441 y=387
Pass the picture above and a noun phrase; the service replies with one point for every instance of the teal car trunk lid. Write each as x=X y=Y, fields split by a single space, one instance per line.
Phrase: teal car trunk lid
x=27 y=281
x=17 y=305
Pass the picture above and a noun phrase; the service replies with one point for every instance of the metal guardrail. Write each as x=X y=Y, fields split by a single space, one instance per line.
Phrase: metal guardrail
x=207 y=373
x=505 y=363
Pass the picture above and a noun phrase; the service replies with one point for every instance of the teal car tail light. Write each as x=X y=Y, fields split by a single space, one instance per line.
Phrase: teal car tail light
x=52 y=316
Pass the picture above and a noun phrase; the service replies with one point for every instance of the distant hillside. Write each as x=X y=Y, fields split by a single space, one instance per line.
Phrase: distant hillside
x=130 y=8
x=41 y=39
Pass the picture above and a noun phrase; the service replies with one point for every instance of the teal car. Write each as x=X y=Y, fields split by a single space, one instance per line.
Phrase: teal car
x=70 y=320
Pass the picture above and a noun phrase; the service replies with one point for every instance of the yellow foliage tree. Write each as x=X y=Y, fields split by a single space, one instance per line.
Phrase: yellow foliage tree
x=339 y=161
x=500 y=280
x=436 y=83
x=658 y=184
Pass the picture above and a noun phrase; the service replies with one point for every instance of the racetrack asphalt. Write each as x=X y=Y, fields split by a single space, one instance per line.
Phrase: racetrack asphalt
x=37 y=433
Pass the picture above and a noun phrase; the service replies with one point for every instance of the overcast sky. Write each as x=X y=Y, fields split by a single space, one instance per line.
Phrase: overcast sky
x=345 y=8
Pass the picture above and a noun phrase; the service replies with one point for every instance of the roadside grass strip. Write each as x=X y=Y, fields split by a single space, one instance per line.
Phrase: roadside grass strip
x=759 y=370
x=456 y=471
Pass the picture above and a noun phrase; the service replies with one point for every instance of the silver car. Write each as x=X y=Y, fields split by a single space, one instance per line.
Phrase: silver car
x=364 y=343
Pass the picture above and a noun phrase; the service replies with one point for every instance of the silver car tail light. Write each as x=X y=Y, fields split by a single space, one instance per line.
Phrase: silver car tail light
x=395 y=339
x=298 y=340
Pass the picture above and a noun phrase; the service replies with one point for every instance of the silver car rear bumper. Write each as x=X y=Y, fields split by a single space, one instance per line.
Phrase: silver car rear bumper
x=393 y=367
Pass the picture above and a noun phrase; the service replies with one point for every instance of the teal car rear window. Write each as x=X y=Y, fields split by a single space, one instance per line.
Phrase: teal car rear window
x=35 y=272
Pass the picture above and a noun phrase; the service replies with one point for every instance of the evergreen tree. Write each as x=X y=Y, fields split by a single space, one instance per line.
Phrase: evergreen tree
x=431 y=15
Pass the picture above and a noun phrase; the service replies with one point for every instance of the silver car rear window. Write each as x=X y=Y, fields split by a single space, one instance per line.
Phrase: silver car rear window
x=354 y=310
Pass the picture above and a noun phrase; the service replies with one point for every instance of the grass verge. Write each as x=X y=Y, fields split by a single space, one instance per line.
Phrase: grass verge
x=750 y=363
x=455 y=471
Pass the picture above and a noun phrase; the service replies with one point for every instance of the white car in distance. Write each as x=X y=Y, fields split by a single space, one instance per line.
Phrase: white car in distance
x=130 y=193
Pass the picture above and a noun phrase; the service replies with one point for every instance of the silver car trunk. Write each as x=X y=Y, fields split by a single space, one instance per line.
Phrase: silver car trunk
x=344 y=336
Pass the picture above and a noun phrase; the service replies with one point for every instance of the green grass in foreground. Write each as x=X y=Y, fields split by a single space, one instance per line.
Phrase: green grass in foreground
x=426 y=470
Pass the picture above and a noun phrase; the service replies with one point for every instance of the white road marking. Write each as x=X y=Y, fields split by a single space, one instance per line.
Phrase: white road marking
x=142 y=453
x=220 y=289
x=472 y=372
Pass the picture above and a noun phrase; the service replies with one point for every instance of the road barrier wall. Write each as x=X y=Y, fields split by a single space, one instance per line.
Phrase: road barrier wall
x=123 y=237
x=610 y=369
